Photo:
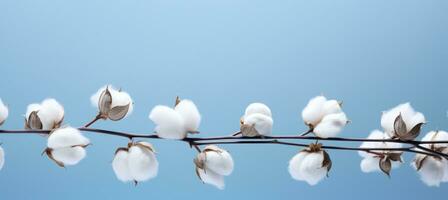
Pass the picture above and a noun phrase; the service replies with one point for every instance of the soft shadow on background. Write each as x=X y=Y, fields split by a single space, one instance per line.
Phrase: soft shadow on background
x=223 y=54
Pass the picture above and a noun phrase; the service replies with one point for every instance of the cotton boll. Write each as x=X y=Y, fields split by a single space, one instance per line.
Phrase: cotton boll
x=121 y=98
x=31 y=108
x=212 y=178
x=314 y=110
x=169 y=123
x=311 y=168
x=66 y=137
x=331 y=125
x=409 y=116
x=143 y=164
x=4 y=112
x=120 y=165
x=69 y=155
x=331 y=107
x=51 y=114
x=2 y=157
x=220 y=162
x=370 y=164
x=190 y=114
x=432 y=171
x=262 y=123
x=294 y=167
x=258 y=108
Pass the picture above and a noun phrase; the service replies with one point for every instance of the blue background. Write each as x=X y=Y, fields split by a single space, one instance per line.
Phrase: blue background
x=223 y=54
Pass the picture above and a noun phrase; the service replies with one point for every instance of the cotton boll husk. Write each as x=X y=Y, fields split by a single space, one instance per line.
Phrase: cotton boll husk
x=66 y=137
x=2 y=157
x=212 y=178
x=96 y=97
x=120 y=165
x=258 y=108
x=295 y=166
x=331 y=125
x=311 y=168
x=31 y=108
x=331 y=107
x=50 y=113
x=432 y=171
x=313 y=112
x=410 y=117
x=219 y=162
x=69 y=155
x=120 y=98
x=190 y=114
x=263 y=123
x=4 y=112
x=143 y=164
x=169 y=123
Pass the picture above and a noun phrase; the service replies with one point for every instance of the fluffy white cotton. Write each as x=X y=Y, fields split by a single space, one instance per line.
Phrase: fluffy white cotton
x=4 y=112
x=143 y=164
x=308 y=167
x=260 y=108
x=66 y=137
x=190 y=114
x=2 y=157
x=370 y=162
x=314 y=111
x=433 y=171
x=178 y=122
x=216 y=163
x=262 y=123
x=50 y=113
x=66 y=145
x=436 y=136
x=169 y=123
x=138 y=163
x=120 y=165
x=331 y=125
x=409 y=115
x=119 y=98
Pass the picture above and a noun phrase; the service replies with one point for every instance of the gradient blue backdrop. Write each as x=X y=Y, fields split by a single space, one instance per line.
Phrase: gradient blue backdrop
x=223 y=54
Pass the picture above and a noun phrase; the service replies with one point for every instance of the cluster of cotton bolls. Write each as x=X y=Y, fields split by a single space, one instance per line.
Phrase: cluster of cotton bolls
x=325 y=118
x=257 y=120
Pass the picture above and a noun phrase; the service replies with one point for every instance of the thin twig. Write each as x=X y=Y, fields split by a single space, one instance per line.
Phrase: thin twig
x=93 y=121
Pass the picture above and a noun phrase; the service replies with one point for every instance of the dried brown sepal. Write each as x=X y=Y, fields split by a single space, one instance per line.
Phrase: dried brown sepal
x=146 y=146
x=121 y=149
x=104 y=103
x=413 y=133
x=58 y=124
x=419 y=161
x=197 y=174
x=394 y=157
x=199 y=161
x=33 y=121
x=385 y=165
x=313 y=147
x=249 y=130
x=118 y=112
x=48 y=151
x=400 y=127
x=2 y=122
x=327 y=163
x=177 y=101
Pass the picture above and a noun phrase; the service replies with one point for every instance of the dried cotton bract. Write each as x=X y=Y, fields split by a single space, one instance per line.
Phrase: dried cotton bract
x=311 y=165
x=112 y=104
x=402 y=122
x=46 y=116
x=3 y=112
x=324 y=117
x=136 y=163
x=66 y=146
x=376 y=160
x=433 y=170
x=178 y=122
x=212 y=164
x=257 y=120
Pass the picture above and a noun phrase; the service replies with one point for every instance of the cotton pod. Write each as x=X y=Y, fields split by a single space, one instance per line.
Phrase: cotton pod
x=177 y=122
x=3 y=112
x=112 y=104
x=433 y=170
x=66 y=146
x=136 y=163
x=257 y=121
x=2 y=157
x=325 y=118
x=310 y=165
x=402 y=122
x=212 y=164
x=47 y=115
x=379 y=160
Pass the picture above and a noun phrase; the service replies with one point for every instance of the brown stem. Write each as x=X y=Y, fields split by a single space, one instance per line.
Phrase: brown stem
x=93 y=121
